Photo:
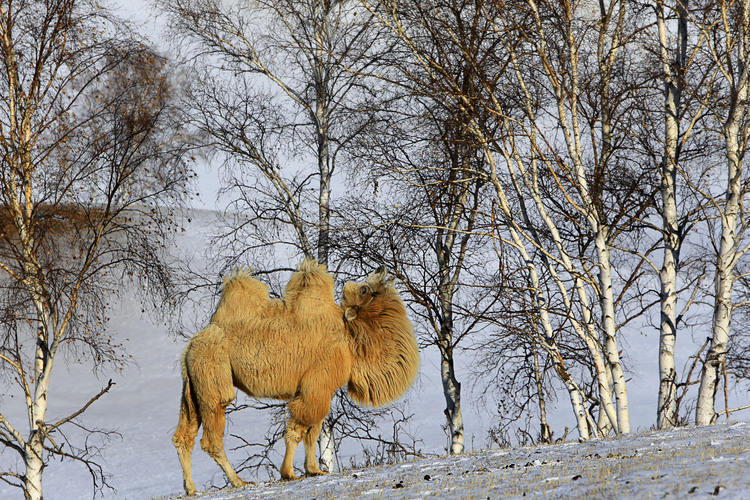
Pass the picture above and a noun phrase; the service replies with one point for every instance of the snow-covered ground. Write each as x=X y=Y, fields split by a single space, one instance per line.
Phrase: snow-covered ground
x=684 y=463
x=143 y=406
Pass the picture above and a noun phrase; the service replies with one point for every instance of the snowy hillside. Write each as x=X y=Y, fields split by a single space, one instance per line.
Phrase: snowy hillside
x=143 y=407
x=685 y=463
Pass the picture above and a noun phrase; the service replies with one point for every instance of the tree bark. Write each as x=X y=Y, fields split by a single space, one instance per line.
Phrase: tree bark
x=732 y=224
x=34 y=462
x=725 y=277
x=451 y=386
x=610 y=336
x=452 y=393
x=321 y=116
x=326 y=443
x=673 y=74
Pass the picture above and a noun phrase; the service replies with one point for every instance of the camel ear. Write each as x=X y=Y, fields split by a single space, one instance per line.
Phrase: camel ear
x=350 y=313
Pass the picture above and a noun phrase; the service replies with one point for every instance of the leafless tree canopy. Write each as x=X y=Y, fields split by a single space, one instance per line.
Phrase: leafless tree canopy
x=92 y=174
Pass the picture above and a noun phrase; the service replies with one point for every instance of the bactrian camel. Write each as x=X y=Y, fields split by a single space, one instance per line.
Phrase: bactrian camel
x=301 y=348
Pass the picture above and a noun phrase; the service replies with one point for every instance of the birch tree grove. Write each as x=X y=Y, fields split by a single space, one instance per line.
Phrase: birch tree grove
x=88 y=161
x=544 y=178
x=565 y=203
x=581 y=137
x=578 y=137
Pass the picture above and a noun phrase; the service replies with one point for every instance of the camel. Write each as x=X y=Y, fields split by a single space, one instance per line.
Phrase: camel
x=301 y=349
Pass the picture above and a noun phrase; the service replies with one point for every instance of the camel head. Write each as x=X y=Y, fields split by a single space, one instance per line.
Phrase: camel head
x=386 y=357
x=358 y=296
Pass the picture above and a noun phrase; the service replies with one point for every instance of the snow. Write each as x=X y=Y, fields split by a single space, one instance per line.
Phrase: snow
x=142 y=407
x=697 y=461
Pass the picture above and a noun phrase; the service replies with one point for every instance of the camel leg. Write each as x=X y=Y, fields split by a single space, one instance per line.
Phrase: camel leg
x=306 y=414
x=311 y=443
x=184 y=439
x=292 y=437
x=212 y=442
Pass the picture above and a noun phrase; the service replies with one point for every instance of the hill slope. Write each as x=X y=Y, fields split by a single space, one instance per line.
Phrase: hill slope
x=687 y=462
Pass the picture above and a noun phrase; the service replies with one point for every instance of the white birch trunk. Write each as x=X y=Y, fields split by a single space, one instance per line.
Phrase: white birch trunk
x=723 y=305
x=666 y=404
x=732 y=229
x=715 y=358
x=451 y=386
x=327 y=450
x=667 y=399
x=545 y=434
x=610 y=336
x=321 y=116
x=37 y=412
x=453 y=415
x=34 y=462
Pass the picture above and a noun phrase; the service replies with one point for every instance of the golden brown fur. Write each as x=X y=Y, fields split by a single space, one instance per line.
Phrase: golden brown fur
x=385 y=351
x=302 y=349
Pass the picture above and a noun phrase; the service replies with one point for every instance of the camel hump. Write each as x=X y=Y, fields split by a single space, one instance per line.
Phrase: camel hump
x=242 y=296
x=311 y=267
x=238 y=273
x=311 y=279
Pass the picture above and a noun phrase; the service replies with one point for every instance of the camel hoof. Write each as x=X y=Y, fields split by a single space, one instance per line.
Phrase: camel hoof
x=318 y=472
x=288 y=475
x=242 y=484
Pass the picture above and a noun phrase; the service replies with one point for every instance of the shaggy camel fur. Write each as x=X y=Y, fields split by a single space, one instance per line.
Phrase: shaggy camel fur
x=301 y=349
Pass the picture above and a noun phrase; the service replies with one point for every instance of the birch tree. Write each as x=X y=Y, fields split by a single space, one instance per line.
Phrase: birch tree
x=727 y=29
x=681 y=145
x=673 y=68
x=421 y=221
x=423 y=154
x=89 y=158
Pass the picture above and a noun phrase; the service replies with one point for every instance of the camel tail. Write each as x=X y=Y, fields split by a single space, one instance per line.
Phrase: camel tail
x=188 y=404
x=187 y=428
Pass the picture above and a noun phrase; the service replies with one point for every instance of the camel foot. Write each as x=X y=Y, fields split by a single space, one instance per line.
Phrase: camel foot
x=242 y=484
x=288 y=475
x=315 y=472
